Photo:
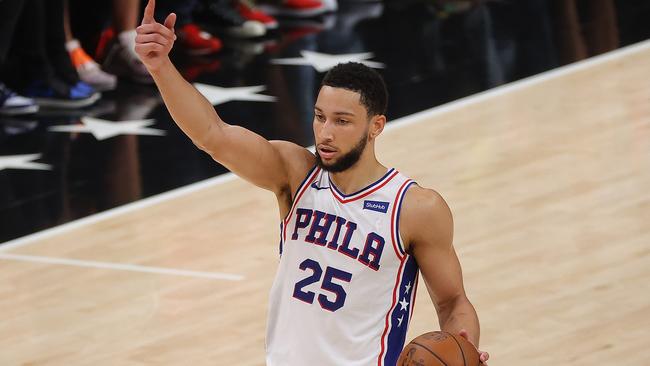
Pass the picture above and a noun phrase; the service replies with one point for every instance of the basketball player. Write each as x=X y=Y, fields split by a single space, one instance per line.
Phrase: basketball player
x=354 y=233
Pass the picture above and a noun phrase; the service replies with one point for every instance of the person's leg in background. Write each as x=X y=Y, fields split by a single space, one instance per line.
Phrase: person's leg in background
x=119 y=57
x=56 y=51
x=30 y=66
x=191 y=37
x=89 y=71
x=10 y=102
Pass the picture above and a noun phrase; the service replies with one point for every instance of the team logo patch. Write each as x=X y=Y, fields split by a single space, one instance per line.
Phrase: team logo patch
x=376 y=206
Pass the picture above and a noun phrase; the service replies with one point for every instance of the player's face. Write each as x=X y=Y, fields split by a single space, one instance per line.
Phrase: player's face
x=340 y=128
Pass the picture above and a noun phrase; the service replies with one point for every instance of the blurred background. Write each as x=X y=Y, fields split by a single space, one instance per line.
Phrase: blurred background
x=83 y=128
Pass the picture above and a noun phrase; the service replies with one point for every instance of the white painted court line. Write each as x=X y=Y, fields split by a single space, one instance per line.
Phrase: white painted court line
x=120 y=267
x=518 y=85
x=133 y=206
x=398 y=123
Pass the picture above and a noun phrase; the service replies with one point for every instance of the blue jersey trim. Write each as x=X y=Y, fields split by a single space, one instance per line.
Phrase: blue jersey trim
x=281 y=236
x=399 y=209
x=391 y=170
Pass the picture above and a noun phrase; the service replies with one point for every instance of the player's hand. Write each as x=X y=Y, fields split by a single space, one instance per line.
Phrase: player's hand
x=483 y=356
x=154 y=40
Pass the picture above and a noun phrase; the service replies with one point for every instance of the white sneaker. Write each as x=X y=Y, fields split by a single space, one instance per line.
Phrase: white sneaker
x=330 y=5
x=249 y=29
x=89 y=70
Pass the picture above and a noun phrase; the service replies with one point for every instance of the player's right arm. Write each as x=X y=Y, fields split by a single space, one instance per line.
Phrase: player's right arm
x=245 y=153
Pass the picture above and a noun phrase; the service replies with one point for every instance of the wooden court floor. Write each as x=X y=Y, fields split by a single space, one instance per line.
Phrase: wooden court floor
x=549 y=183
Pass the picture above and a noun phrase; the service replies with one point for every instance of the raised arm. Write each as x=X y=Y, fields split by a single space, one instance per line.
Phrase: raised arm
x=427 y=228
x=270 y=165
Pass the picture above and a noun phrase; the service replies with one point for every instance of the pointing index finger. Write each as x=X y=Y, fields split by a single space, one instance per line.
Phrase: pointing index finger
x=148 y=12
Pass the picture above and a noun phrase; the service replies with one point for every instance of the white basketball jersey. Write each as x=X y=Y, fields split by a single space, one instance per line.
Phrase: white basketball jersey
x=345 y=287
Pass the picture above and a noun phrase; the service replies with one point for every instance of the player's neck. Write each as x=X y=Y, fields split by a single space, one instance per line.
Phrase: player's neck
x=359 y=176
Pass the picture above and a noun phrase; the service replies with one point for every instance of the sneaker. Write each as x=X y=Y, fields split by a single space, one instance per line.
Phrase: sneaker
x=196 y=41
x=248 y=11
x=121 y=61
x=331 y=5
x=89 y=70
x=12 y=104
x=105 y=40
x=198 y=67
x=55 y=93
x=297 y=8
x=221 y=15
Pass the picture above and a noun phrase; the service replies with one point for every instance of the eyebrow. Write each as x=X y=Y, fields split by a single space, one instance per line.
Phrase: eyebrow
x=340 y=113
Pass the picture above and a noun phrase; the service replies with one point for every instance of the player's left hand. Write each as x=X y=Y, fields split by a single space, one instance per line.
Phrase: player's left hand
x=483 y=356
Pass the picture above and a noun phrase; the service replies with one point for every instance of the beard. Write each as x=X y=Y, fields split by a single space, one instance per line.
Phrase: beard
x=346 y=161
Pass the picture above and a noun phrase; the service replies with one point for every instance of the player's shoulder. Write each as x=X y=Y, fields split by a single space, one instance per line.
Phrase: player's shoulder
x=424 y=211
x=298 y=160
x=296 y=156
x=422 y=200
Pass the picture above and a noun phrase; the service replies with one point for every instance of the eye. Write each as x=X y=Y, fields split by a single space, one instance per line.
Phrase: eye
x=342 y=121
x=320 y=117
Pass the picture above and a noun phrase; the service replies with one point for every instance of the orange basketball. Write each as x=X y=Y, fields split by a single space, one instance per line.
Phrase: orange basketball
x=439 y=349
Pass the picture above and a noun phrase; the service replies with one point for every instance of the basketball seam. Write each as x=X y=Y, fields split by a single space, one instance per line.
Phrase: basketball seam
x=430 y=351
x=461 y=350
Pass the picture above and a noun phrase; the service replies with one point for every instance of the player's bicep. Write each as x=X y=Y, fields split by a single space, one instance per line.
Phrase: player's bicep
x=251 y=157
x=442 y=273
x=431 y=237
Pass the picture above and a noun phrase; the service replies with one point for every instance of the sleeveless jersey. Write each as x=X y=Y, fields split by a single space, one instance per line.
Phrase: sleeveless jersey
x=344 y=290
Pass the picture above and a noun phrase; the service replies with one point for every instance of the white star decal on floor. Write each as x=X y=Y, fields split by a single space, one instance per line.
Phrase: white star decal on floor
x=323 y=61
x=103 y=129
x=403 y=304
x=22 y=162
x=218 y=95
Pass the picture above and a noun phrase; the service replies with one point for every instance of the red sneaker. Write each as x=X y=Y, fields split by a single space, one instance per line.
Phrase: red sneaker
x=198 y=67
x=305 y=7
x=105 y=39
x=249 y=12
x=196 y=41
x=297 y=8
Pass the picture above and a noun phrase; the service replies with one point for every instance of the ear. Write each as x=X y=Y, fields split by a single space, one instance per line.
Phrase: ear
x=377 y=124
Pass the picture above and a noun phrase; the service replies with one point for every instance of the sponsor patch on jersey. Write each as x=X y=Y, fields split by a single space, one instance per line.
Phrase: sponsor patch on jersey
x=376 y=206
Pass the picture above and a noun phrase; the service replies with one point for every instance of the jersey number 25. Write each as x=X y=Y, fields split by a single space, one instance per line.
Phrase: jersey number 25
x=327 y=285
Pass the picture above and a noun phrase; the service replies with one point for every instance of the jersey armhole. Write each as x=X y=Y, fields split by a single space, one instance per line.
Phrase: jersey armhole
x=313 y=172
x=396 y=235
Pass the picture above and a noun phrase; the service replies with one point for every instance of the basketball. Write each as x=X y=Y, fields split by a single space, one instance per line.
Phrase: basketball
x=439 y=349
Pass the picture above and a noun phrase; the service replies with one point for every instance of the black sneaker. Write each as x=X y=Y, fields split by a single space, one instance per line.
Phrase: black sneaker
x=12 y=104
x=222 y=16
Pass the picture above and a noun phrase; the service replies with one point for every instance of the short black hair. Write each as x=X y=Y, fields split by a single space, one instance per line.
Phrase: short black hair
x=361 y=79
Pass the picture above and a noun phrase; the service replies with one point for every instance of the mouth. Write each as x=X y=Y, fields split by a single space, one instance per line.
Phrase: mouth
x=326 y=152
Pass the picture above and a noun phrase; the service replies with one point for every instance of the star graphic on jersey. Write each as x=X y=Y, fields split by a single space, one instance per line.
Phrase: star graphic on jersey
x=104 y=129
x=408 y=288
x=217 y=95
x=22 y=162
x=403 y=304
x=400 y=320
x=324 y=61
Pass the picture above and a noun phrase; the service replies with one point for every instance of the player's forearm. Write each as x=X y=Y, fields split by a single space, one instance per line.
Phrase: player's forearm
x=460 y=314
x=189 y=109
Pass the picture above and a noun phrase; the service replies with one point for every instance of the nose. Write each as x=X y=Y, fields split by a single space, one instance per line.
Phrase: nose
x=327 y=131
